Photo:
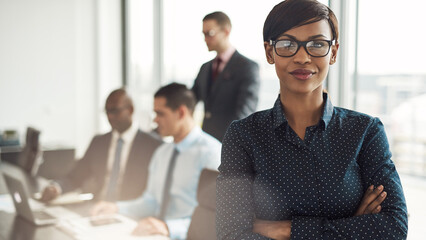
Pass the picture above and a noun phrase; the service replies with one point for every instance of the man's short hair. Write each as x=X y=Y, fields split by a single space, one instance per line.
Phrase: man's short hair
x=177 y=95
x=221 y=18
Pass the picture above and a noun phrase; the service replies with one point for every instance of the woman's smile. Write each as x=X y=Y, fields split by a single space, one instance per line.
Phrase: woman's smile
x=302 y=74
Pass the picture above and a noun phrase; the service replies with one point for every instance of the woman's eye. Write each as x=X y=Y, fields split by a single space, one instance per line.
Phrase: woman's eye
x=318 y=44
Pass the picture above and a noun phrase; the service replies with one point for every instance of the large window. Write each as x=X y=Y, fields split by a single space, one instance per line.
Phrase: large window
x=141 y=81
x=391 y=77
x=391 y=84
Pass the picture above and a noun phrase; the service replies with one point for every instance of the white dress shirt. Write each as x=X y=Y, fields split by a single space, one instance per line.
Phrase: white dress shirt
x=128 y=136
x=197 y=150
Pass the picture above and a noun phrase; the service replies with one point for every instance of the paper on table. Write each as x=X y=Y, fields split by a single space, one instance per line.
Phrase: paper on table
x=68 y=198
x=6 y=203
x=82 y=229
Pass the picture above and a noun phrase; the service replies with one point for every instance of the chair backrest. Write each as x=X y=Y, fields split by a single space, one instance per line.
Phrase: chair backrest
x=31 y=152
x=203 y=225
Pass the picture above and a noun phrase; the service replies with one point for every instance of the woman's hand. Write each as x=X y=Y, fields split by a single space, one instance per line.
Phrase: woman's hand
x=279 y=230
x=370 y=203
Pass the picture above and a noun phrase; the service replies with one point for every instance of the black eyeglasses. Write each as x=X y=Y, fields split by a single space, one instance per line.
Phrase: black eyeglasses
x=289 y=48
x=115 y=111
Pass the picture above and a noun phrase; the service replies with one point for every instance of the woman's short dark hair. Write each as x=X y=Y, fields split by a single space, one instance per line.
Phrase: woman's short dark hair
x=177 y=95
x=295 y=13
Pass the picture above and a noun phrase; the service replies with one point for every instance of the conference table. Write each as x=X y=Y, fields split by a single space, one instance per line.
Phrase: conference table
x=13 y=227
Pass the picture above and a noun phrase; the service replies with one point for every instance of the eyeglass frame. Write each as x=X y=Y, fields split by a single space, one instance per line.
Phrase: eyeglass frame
x=211 y=33
x=300 y=44
x=115 y=111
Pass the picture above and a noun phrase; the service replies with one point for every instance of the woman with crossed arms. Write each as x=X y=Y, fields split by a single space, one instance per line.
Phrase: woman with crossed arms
x=305 y=169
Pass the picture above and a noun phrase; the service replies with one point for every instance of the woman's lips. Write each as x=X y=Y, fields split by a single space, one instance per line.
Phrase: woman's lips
x=302 y=74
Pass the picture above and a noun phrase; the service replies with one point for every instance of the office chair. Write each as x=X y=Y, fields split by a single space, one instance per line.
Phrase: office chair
x=29 y=158
x=203 y=225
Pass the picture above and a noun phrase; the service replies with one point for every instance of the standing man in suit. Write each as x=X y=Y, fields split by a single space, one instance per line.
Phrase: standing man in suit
x=166 y=206
x=115 y=166
x=228 y=84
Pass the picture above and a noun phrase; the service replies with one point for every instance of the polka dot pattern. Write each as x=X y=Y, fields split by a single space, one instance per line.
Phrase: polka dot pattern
x=268 y=172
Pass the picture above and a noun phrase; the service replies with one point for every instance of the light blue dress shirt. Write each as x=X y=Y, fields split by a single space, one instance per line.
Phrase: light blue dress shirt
x=197 y=150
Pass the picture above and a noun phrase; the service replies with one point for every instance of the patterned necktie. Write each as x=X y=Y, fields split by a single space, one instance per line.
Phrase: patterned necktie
x=111 y=194
x=167 y=185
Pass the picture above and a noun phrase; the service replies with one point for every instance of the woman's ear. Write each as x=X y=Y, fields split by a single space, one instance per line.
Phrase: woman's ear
x=334 y=50
x=269 y=52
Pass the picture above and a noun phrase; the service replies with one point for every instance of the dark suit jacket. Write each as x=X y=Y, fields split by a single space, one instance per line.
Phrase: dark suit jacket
x=89 y=173
x=233 y=94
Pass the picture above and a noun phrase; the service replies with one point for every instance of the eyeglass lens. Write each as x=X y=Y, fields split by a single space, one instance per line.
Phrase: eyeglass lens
x=316 y=48
x=115 y=111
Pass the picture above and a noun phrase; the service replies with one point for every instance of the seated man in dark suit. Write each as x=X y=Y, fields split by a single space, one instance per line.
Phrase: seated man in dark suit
x=115 y=159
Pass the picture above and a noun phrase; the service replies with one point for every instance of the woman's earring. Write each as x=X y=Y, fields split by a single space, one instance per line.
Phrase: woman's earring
x=270 y=61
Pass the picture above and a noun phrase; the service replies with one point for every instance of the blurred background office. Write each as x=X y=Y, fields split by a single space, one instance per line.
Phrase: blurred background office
x=59 y=59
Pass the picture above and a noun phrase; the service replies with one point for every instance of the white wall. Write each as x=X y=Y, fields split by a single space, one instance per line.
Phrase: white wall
x=59 y=60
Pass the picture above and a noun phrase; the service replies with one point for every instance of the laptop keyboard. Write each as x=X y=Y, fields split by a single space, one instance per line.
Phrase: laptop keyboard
x=42 y=215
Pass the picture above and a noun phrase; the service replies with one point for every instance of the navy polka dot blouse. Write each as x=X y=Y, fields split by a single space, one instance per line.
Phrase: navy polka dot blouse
x=268 y=172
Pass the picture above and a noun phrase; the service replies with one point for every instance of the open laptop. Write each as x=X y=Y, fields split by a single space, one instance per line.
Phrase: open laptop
x=113 y=226
x=31 y=210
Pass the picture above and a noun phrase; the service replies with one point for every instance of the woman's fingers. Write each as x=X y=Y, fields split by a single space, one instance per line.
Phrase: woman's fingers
x=371 y=200
x=375 y=203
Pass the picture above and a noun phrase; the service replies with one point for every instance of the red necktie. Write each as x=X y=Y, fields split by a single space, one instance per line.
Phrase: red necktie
x=216 y=69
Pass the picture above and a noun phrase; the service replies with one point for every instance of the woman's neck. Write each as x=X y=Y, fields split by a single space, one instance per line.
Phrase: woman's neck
x=302 y=110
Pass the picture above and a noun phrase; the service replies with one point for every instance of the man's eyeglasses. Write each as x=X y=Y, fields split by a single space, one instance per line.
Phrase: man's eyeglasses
x=210 y=33
x=289 y=48
x=115 y=111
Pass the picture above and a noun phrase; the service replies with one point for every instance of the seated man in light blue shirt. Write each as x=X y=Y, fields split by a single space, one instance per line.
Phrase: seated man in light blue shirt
x=174 y=105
